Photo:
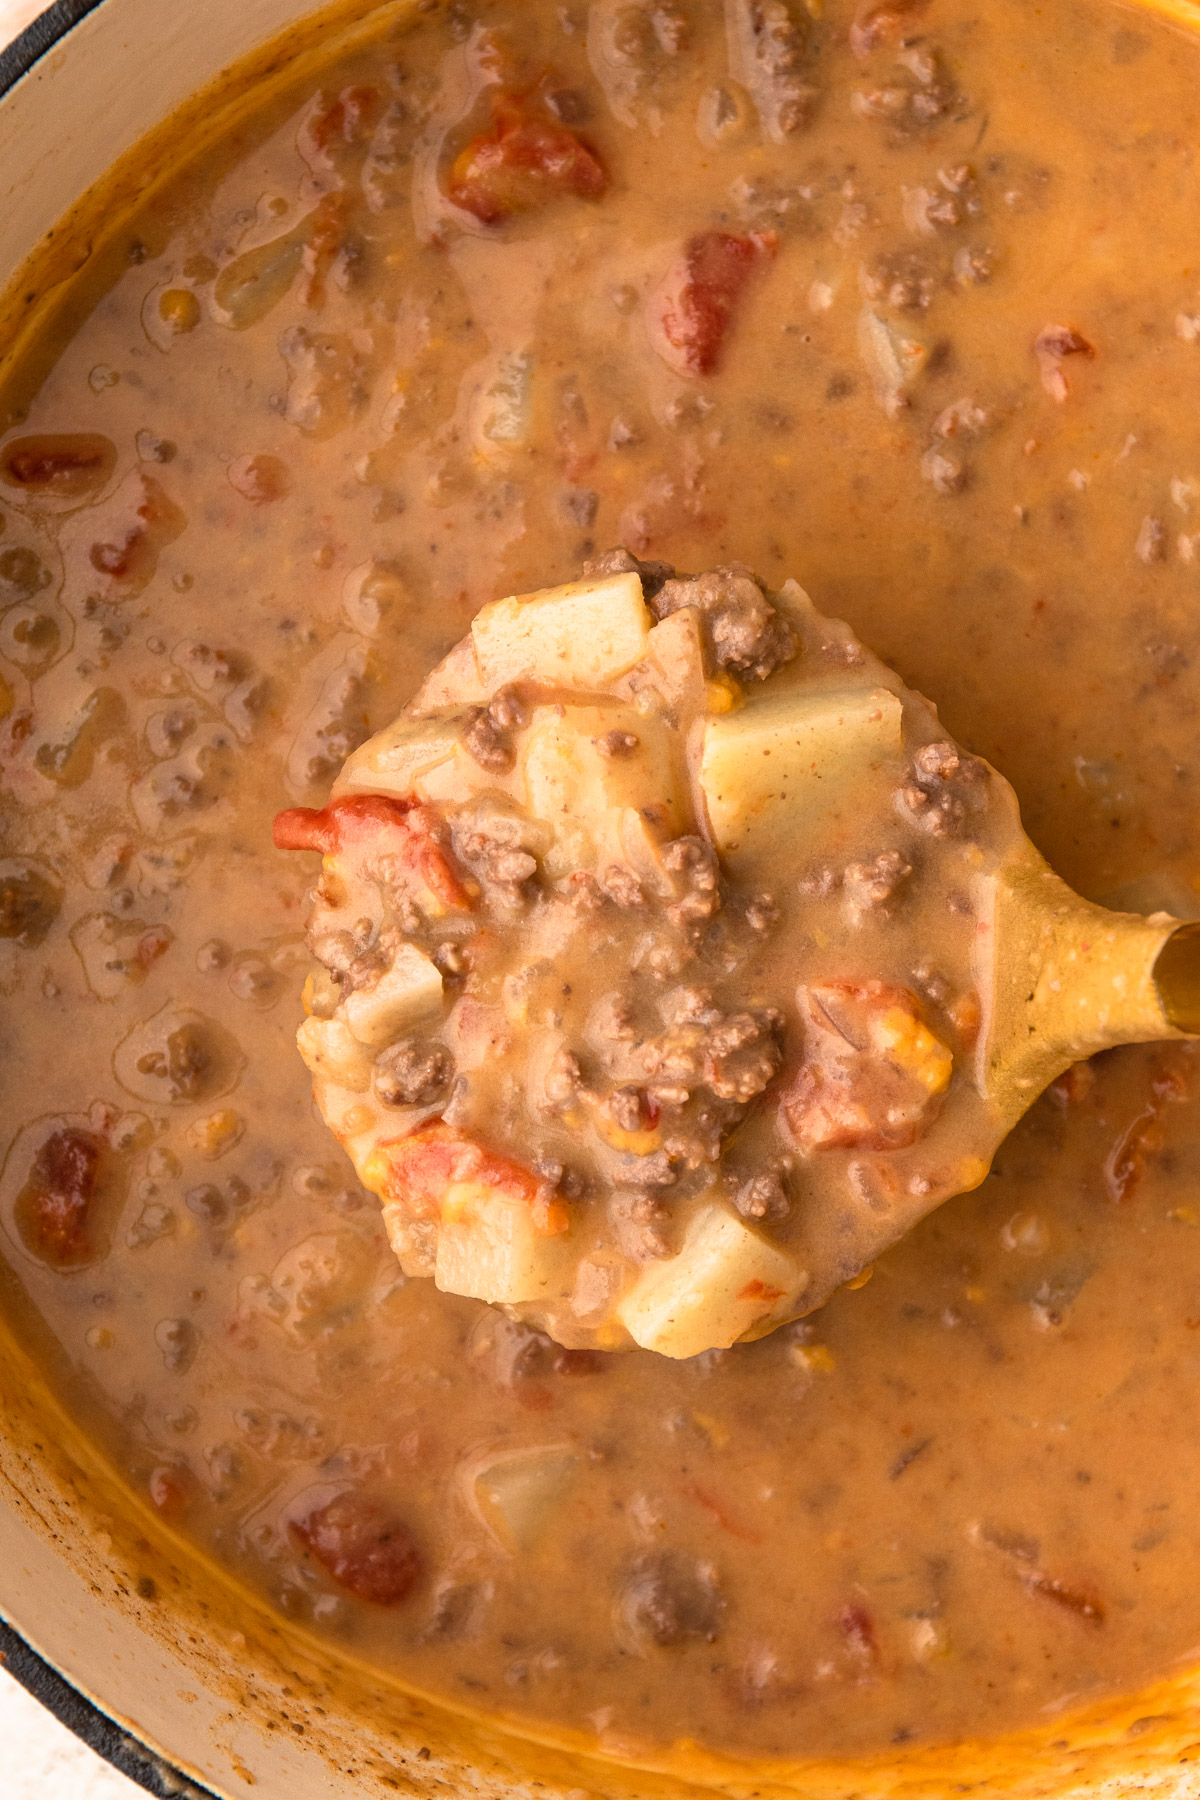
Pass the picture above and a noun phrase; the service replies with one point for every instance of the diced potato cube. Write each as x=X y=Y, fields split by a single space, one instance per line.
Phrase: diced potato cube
x=500 y=1238
x=725 y=1279
x=586 y=795
x=455 y=682
x=676 y=666
x=410 y=990
x=391 y=761
x=332 y=1052
x=517 y=1493
x=413 y=1241
x=488 y=1249
x=893 y=359
x=358 y=1124
x=676 y=653
x=582 y=636
x=461 y=778
x=774 y=772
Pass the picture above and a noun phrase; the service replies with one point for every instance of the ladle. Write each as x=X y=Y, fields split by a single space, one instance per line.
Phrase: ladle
x=783 y=773
x=1072 y=978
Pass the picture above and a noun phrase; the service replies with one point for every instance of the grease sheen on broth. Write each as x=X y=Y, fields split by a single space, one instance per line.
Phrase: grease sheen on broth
x=318 y=420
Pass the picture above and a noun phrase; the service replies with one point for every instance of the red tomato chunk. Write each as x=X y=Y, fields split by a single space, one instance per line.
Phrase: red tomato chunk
x=347 y=119
x=55 y=1207
x=692 y=309
x=364 y=1547
x=373 y=823
x=523 y=160
x=871 y=1075
x=438 y=1168
x=64 y=463
x=142 y=521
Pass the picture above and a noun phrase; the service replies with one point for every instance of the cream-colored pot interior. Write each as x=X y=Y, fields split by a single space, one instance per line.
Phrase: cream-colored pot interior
x=139 y=1622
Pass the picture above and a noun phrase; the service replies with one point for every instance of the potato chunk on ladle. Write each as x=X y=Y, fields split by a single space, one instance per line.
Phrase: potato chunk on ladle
x=672 y=962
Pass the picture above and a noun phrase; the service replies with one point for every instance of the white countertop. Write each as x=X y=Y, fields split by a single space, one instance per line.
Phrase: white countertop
x=15 y=16
x=42 y=1760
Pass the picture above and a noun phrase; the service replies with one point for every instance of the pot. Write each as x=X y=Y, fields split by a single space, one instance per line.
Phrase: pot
x=222 y=1691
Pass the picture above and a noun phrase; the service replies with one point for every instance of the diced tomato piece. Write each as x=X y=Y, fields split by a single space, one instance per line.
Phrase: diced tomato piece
x=152 y=944
x=858 y=1629
x=326 y=238
x=348 y=118
x=172 y=1488
x=872 y=1073
x=385 y=826
x=1145 y=1136
x=1063 y=340
x=341 y=823
x=966 y=1015
x=364 y=1547
x=62 y=463
x=142 y=520
x=440 y=1174
x=523 y=160
x=1073 y=1086
x=259 y=479
x=55 y=1208
x=761 y=1290
x=691 y=310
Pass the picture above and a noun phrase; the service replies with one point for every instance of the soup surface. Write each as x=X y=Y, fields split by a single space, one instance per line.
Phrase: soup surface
x=902 y=303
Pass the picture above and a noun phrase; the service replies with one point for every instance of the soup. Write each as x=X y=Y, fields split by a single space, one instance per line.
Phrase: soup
x=401 y=345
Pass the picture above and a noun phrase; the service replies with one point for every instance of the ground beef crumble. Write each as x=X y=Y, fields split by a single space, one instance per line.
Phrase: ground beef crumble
x=746 y=634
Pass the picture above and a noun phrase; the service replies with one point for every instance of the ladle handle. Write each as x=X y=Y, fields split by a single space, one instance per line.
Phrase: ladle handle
x=1177 y=978
x=1070 y=978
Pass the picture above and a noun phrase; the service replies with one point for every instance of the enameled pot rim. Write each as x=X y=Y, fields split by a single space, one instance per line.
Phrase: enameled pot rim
x=39 y=37
x=135 y=1760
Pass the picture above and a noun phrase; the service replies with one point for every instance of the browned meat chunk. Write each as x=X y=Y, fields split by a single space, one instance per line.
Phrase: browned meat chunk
x=63 y=463
x=743 y=1055
x=746 y=633
x=412 y=1074
x=29 y=903
x=488 y=736
x=666 y=1601
x=622 y=562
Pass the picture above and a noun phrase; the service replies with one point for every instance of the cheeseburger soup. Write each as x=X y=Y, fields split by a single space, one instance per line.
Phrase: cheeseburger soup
x=901 y=303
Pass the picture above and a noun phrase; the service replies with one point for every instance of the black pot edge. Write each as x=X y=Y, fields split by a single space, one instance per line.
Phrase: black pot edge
x=39 y=36
x=90 y=1725
x=101 y=1734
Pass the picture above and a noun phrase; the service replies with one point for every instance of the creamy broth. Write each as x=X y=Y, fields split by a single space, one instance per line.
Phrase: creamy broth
x=319 y=418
